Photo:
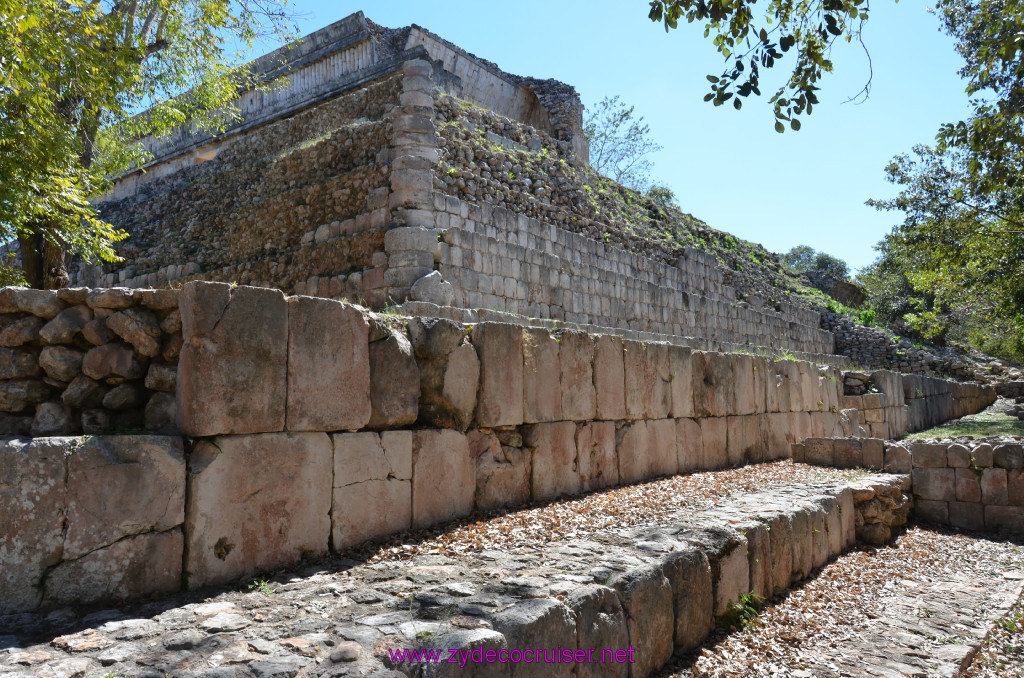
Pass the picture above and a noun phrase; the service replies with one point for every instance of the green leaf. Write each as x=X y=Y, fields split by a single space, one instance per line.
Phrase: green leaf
x=779 y=127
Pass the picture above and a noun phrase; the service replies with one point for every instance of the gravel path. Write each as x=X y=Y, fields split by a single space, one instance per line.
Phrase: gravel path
x=920 y=607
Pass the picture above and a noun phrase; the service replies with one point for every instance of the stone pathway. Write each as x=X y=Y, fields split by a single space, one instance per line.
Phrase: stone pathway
x=921 y=607
x=341 y=617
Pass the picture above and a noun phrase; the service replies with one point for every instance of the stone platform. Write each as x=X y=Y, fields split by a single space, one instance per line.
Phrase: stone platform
x=654 y=586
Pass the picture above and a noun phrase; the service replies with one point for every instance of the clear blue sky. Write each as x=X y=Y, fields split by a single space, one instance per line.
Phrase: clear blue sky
x=727 y=167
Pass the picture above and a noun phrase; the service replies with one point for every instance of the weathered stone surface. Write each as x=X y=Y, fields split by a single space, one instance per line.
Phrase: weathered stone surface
x=874 y=453
x=576 y=360
x=936 y=484
x=18 y=364
x=161 y=413
x=372 y=486
x=143 y=564
x=21 y=331
x=743 y=440
x=632 y=448
x=542 y=394
x=433 y=337
x=433 y=289
x=967 y=515
x=60 y=362
x=968 y=485
x=993 y=487
x=595 y=452
x=897 y=459
x=40 y=303
x=240 y=518
x=500 y=398
x=1008 y=455
x=329 y=367
x=743 y=384
x=121 y=397
x=609 y=378
x=145 y=473
x=52 y=419
x=553 y=450
x=663 y=455
x=1005 y=518
x=97 y=333
x=139 y=328
x=538 y=623
x=681 y=386
x=646 y=597
x=83 y=392
x=714 y=432
x=689 y=575
x=689 y=446
x=648 y=376
x=713 y=387
x=112 y=297
x=394 y=383
x=443 y=476
x=232 y=373
x=31 y=488
x=503 y=472
x=112 y=361
x=162 y=377
x=600 y=625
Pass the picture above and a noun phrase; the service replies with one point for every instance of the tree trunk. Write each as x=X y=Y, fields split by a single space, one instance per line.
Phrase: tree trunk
x=31 y=258
x=55 y=273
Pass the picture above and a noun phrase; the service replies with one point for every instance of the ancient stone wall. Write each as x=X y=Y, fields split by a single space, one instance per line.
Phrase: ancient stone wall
x=346 y=426
x=88 y=361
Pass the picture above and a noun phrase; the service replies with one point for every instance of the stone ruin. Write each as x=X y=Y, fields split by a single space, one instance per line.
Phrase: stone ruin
x=246 y=413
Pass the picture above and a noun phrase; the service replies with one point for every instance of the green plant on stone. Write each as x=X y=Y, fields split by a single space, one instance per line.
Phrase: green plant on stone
x=742 y=612
x=262 y=586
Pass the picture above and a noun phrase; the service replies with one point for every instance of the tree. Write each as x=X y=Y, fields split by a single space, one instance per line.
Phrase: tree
x=620 y=143
x=74 y=75
x=826 y=263
x=804 y=259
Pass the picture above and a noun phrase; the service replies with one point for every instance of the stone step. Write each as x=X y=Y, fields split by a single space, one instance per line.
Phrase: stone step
x=922 y=606
x=641 y=591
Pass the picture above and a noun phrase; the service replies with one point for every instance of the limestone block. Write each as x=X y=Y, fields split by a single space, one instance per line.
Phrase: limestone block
x=1006 y=518
x=926 y=510
x=542 y=396
x=372 y=493
x=958 y=456
x=848 y=453
x=1008 y=455
x=161 y=414
x=600 y=624
x=52 y=419
x=968 y=485
x=663 y=455
x=40 y=303
x=22 y=331
x=689 y=446
x=743 y=384
x=32 y=488
x=638 y=379
x=646 y=597
x=500 y=399
x=780 y=535
x=576 y=358
x=140 y=565
x=848 y=516
x=714 y=433
x=928 y=455
x=553 y=450
x=967 y=515
x=256 y=502
x=833 y=524
x=897 y=459
x=431 y=288
x=60 y=362
x=689 y=575
x=64 y=326
x=819 y=537
x=329 y=387
x=394 y=383
x=807 y=394
x=443 y=476
x=719 y=385
x=743 y=442
x=762 y=373
x=632 y=448
x=595 y=451
x=874 y=453
x=983 y=455
x=819 y=451
x=726 y=550
x=782 y=382
x=139 y=328
x=146 y=475
x=759 y=556
x=993 y=487
x=681 y=381
x=803 y=543
x=232 y=372
x=503 y=473
x=111 y=297
x=537 y=623
x=18 y=364
x=609 y=378
x=1014 y=487
x=936 y=484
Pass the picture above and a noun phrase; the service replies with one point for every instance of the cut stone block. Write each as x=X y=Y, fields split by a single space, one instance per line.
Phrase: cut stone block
x=848 y=453
x=595 y=451
x=759 y=556
x=500 y=399
x=681 y=371
x=632 y=449
x=780 y=534
x=503 y=473
x=968 y=485
x=328 y=366
x=256 y=502
x=819 y=451
x=646 y=597
x=553 y=451
x=394 y=383
x=600 y=624
x=743 y=384
x=443 y=473
x=898 y=459
x=936 y=484
x=967 y=515
x=140 y=565
x=743 y=442
x=663 y=456
x=372 y=492
x=537 y=623
x=609 y=378
x=689 y=575
x=993 y=487
x=232 y=369
x=689 y=446
x=146 y=475
x=714 y=433
x=32 y=488
x=542 y=395
x=576 y=357
x=1005 y=518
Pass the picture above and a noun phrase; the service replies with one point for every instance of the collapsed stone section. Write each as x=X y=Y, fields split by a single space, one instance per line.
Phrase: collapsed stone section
x=88 y=361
